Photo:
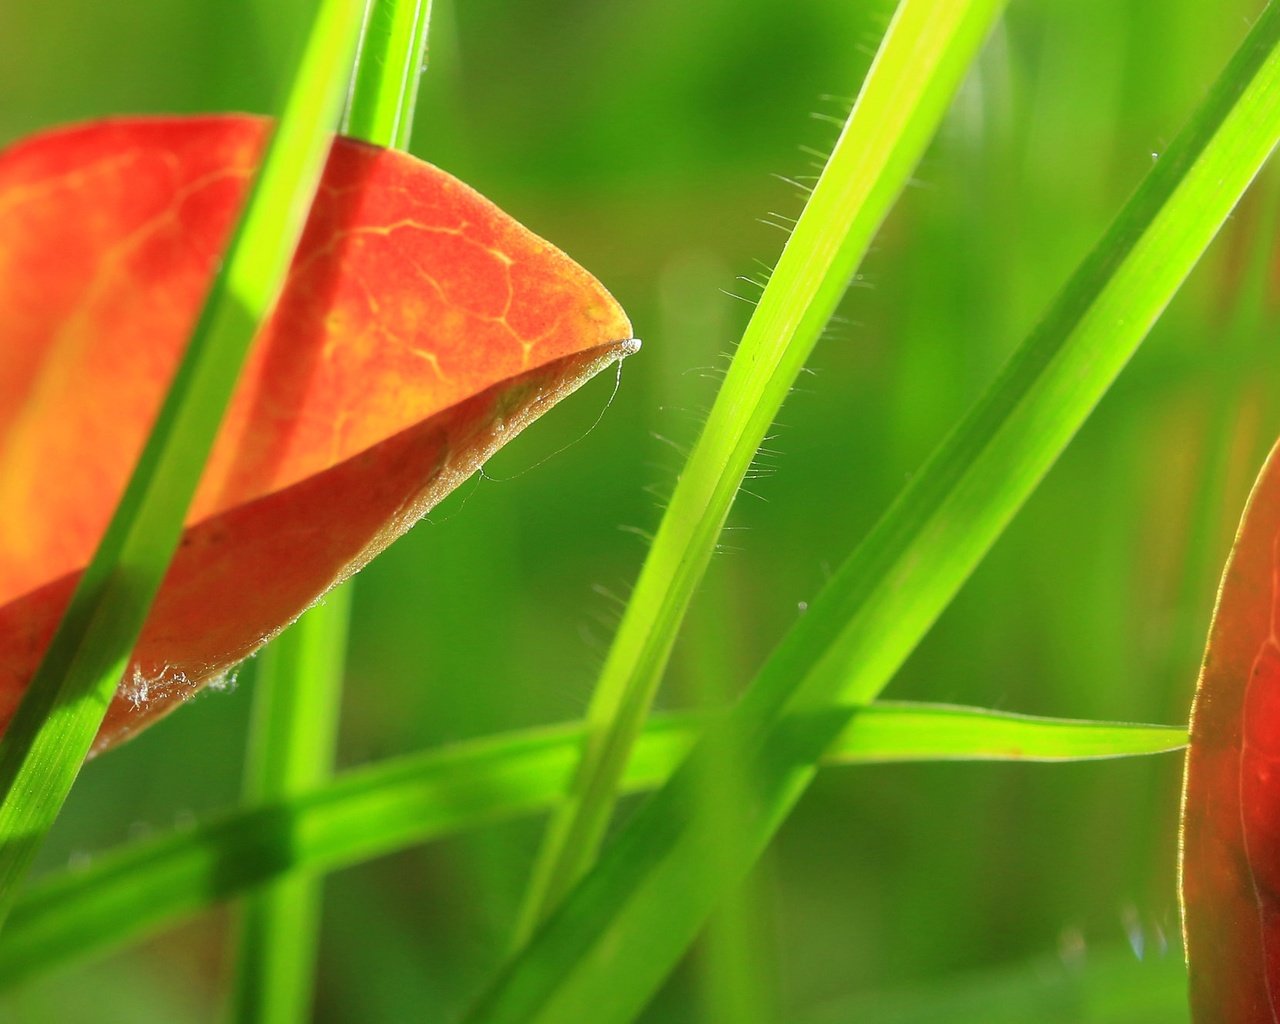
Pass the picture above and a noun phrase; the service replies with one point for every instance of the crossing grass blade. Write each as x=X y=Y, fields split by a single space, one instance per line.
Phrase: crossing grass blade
x=45 y=744
x=298 y=692
x=624 y=927
x=384 y=89
x=138 y=889
x=297 y=699
x=924 y=55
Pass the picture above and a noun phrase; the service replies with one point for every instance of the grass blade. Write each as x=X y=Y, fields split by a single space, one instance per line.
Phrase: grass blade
x=139 y=888
x=736 y=978
x=298 y=689
x=385 y=87
x=44 y=746
x=925 y=53
x=905 y=731
x=1246 y=337
x=627 y=923
x=297 y=698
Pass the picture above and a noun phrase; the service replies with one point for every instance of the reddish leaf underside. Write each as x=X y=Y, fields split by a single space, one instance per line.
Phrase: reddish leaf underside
x=1231 y=801
x=420 y=329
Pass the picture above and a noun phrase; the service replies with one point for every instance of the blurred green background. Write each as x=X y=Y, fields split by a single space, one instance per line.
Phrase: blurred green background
x=645 y=138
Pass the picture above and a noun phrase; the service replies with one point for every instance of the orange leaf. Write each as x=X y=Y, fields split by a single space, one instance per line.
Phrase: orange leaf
x=420 y=329
x=1231 y=797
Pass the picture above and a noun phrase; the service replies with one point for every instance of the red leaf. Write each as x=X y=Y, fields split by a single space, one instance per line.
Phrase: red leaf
x=420 y=329
x=1231 y=799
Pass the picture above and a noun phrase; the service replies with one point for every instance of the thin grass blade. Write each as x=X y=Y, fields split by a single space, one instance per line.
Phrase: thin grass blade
x=44 y=746
x=925 y=53
x=384 y=90
x=297 y=699
x=298 y=687
x=625 y=926
x=138 y=889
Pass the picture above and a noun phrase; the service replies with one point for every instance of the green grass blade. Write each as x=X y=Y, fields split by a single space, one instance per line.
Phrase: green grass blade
x=416 y=53
x=925 y=52
x=139 y=888
x=735 y=979
x=385 y=87
x=628 y=922
x=297 y=698
x=1246 y=337
x=298 y=689
x=44 y=746
x=906 y=731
